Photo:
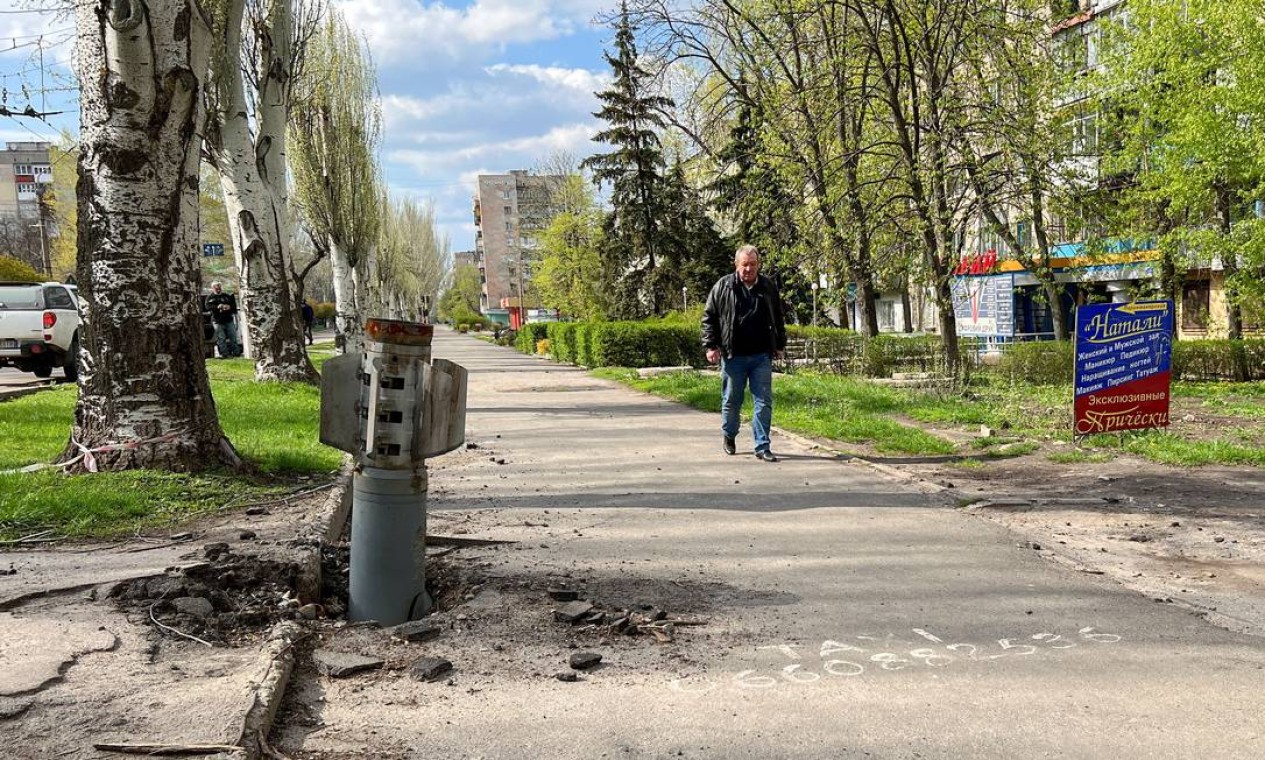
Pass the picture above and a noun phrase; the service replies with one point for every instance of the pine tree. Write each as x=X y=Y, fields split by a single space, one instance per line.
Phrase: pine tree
x=634 y=236
x=751 y=194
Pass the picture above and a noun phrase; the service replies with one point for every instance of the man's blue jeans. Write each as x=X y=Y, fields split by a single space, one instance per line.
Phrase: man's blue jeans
x=736 y=373
x=226 y=340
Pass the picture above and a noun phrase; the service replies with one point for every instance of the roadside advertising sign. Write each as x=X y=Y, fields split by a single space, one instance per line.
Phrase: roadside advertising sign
x=984 y=306
x=1123 y=366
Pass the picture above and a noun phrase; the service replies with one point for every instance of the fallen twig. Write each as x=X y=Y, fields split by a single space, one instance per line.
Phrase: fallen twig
x=173 y=630
x=167 y=749
x=44 y=536
x=279 y=499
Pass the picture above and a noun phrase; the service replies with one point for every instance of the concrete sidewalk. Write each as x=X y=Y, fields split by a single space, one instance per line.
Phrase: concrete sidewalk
x=846 y=614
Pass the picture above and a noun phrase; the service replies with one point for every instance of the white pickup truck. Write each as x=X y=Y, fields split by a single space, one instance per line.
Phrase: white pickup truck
x=39 y=328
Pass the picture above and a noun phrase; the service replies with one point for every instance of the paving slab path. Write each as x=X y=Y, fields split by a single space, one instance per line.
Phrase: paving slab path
x=844 y=613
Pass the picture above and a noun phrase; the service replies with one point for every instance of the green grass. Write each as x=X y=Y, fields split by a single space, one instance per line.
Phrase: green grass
x=826 y=406
x=1081 y=457
x=115 y=502
x=854 y=411
x=274 y=426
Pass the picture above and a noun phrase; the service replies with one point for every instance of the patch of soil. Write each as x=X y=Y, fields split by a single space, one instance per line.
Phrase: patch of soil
x=229 y=599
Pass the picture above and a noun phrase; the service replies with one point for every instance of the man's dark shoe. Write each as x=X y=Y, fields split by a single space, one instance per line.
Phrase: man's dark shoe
x=766 y=455
x=729 y=446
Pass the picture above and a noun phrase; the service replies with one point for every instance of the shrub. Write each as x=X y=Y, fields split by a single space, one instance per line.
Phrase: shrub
x=504 y=336
x=463 y=327
x=324 y=310
x=14 y=270
x=1237 y=360
x=529 y=337
x=886 y=355
x=542 y=346
x=562 y=341
x=1041 y=362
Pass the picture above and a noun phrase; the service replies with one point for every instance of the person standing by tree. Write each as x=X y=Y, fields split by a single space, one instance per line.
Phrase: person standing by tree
x=223 y=308
x=309 y=317
x=744 y=329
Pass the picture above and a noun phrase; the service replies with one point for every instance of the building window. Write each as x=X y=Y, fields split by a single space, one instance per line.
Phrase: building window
x=509 y=226
x=505 y=194
x=1196 y=303
x=508 y=211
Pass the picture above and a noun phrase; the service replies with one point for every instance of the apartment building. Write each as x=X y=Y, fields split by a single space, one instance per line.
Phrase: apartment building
x=510 y=211
x=25 y=173
x=998 y=300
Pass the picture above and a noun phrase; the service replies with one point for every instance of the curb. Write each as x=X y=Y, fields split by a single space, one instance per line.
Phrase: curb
x=893 y=472
x=272 y=674
x=8 y=395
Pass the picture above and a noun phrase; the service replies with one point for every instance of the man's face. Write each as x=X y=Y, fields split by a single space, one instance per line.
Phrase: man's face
x=216 y=288
x=748 y=267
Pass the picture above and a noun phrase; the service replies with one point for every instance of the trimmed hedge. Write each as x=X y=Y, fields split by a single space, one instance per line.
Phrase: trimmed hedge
x=1049 y=362
x=1235 y=360
x=530 y=335
x=849 y=353
x=1039 y=362
x=625 y=344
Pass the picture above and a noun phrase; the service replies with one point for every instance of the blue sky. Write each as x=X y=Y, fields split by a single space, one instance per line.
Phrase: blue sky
x=468 y=88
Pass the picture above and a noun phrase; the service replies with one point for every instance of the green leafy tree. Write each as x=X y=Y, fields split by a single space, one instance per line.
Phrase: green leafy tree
x=1183 y=83
x=568 y=275
x=15 y=270
x=461 y=298
x=749 y=191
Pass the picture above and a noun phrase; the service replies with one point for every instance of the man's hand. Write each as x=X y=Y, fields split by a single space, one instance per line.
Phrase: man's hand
x=713 y=355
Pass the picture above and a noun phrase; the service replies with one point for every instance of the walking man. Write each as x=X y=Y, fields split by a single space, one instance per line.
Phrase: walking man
x=744 y=329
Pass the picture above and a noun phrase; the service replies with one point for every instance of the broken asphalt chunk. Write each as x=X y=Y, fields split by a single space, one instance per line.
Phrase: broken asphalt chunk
x=584 y=660
x=564 y=594
x=572 y=611
x=415 y=630
x=430 y=668
x=343 y=664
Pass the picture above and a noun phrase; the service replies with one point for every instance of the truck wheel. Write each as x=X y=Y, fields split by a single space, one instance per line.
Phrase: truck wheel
x=71 y=367
x=43 y=369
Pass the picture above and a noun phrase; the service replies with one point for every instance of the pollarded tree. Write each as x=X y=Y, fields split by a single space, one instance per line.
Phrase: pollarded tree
x=144 y=397
x=412 y=258
x=333 y=155
x=253 y=71
x=634 y=171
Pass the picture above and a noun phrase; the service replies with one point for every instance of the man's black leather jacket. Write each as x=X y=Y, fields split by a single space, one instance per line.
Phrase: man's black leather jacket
x=718 y=314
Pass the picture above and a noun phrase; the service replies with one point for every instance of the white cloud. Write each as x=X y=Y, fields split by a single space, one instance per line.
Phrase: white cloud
x=580 y=81
x=515 y=153
x=412 y=31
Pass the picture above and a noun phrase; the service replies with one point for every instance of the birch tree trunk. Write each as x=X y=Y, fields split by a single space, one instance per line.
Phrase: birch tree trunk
x=252 y=173
x=144 y=397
